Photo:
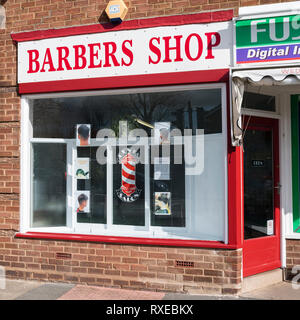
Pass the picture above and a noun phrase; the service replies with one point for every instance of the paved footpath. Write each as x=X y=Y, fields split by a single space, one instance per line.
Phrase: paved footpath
x=33 y=290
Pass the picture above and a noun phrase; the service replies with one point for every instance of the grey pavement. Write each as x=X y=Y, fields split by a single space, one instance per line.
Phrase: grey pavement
x=280 y=291
x=48 y=291
x=16 y=288
x=34 y=290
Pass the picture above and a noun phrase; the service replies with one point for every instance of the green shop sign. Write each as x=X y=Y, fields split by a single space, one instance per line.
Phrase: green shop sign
x=268 y=39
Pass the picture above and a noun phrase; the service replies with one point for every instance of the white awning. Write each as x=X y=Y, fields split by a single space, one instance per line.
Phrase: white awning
x=270 y=77
x=258 y=77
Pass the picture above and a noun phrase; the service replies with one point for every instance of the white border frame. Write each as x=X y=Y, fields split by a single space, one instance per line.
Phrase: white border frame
x=263 y=113
x=26 y=134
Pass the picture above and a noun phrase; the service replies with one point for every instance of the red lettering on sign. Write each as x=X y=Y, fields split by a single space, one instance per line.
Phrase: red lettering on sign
x=128 y=53
x=79 y=51
x=110 y=54
x=187 y=47
x=63 y=54
x=155 y=50
x=48 y=60
x=94 y=55
x=210 y=44
x=34 y=65
x=176 y=48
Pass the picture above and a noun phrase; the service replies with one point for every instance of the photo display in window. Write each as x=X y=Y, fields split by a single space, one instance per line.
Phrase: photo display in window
x=167 y=189
x=82 y=205
x=82 y=168
x=95 y=185
x=83 y=135
x=162 y=204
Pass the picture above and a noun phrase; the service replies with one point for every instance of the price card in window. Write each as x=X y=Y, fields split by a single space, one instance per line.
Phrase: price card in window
x=162 y=168
x=270 y=227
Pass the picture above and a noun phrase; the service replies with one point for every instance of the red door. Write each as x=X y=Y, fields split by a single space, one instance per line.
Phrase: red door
x=261 y=249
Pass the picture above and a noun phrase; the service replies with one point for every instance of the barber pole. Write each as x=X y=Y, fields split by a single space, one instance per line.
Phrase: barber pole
x=128 y=191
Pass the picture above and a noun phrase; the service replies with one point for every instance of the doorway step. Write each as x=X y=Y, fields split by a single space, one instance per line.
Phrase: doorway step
x=262 y=280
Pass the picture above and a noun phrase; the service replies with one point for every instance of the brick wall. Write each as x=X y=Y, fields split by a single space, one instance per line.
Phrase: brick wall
x=292 y=257
x=124 y=266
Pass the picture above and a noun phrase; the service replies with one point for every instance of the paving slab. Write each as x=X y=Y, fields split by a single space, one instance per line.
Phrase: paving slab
x=34 y=290
x=280 y=291
x=47 y=291
x=15 y=288
x=178 y=296
x=81 y=292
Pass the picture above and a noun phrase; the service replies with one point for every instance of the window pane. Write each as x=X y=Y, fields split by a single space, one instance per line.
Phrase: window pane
x=168 y=196
x=126 y=212
x=96 y=184
x=49 y=185
x=258 y=181
x=183 y=109
x=194 y=203
x=258 y=101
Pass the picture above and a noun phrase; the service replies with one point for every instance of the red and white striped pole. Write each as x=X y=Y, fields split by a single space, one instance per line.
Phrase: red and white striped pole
x=128 y=174
x=128 y=191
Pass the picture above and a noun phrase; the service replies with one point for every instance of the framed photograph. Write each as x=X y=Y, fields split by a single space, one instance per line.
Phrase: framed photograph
x=162 y=132
x=83 y=135
x=82 y=202
x=82 y=168
x=162 y=203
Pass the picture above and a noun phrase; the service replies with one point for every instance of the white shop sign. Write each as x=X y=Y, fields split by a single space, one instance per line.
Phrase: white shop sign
x=143 y=51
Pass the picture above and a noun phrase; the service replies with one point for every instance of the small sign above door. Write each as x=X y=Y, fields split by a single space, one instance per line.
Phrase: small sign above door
x=257 y=163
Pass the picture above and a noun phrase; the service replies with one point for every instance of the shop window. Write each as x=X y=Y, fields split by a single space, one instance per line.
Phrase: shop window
x=95 y=184
x=49 y=184
x=149 y=191
x=295 y=118
x=258 y=101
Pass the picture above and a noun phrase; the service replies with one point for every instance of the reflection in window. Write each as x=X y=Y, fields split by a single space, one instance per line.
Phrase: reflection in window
x=173 y=203
x=186 y=109
x=49 y=185
x=258 y=101
x=96 y=184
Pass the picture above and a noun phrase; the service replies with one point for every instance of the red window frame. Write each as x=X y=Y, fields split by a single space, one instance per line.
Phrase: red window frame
x=192 y=77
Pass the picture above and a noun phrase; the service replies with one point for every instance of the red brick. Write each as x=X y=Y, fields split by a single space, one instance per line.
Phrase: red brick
x=112 y=272
x=203 y=279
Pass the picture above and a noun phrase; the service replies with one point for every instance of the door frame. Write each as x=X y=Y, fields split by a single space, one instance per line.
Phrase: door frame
x=252 y=244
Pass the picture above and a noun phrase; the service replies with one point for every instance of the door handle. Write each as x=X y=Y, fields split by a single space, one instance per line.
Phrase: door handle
x=278 y=187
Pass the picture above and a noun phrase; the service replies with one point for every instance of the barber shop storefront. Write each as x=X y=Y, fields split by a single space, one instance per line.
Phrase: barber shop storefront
x=125 y=150
x=161 y=153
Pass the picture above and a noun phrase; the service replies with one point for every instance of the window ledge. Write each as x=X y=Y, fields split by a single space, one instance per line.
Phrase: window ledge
x=293 y=236
x=127 y=240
